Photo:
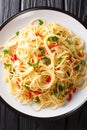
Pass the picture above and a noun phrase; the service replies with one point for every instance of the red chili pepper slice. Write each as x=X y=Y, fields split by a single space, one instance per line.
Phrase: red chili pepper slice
x=74 y=90
x=74 y=68
x=80 y=54
x=48 y=79
x=45 y=50
x=69 y=97
x=49 y=46
x=37 y=92
x=70 y=58
x=17 y=82
x=14 y=58
x=67 y=92
x=38 y=34
x=32 y=60
x=39 y=55
x=29 y=95
x=71 y=90
x=56 y=44
x=46 y=63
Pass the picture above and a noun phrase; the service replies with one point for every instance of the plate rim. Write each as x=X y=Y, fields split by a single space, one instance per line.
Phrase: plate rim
x=42 y=8
x=9 y=20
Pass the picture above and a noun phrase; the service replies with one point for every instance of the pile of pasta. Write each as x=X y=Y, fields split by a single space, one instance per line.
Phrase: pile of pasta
x=45 y=64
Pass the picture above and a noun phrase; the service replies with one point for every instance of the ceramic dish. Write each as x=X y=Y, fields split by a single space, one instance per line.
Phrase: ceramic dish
x=19 y=21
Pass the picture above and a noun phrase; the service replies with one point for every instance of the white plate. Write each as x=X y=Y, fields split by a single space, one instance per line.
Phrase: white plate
x=21 y=20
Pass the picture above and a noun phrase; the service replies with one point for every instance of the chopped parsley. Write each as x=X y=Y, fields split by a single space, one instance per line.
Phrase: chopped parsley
x=53 y=38
x=7 y=65
x=26 y=86
x=77 y=67
x=46 y=60
x=56 y=94
x=69 y=40
x=83 y=62
x=60 y=59
x=36 y=99
x=61 y=88
x=6 y=51
x=40 y=22
x=42 y=51
x=73 y=53
x=17 y=33
x=11 y=72
x=34 y=64
x=70 y=86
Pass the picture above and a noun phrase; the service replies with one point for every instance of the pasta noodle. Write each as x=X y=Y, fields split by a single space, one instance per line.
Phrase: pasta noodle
x=45 y=64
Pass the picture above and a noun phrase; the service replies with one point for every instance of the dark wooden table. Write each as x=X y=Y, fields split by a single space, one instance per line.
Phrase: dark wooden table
x=9 y=120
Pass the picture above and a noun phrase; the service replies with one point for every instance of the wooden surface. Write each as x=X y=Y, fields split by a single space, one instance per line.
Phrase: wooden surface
x=9 y=120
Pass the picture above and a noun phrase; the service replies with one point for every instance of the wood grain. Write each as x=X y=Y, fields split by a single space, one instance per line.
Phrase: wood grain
x=78 y=8
x=36 y=3
x=9 y=120
x=8 y=8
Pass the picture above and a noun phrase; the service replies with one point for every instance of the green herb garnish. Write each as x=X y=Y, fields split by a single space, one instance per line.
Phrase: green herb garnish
x=60 y=59
x=73 y=53
x=40 y=22
x=11 y=72
x=77 y=67
x=36 y=99
x=49 y=39
x=56 y=94
x=17 y=33
x=61 y=88
x=33 y=65
x=53 y=38
x=69 y=40
x=7 y=65
x=26 y=86
x=6 y=51
x=46 y=60
x=70 y=86
x=42 y=51
x=36 y=64
x=83 y=62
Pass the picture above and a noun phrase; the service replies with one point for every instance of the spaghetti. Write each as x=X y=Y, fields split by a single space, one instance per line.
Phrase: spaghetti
x=44 y=64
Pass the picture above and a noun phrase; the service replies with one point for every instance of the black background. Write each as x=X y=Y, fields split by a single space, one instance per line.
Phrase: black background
x=10 y=120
